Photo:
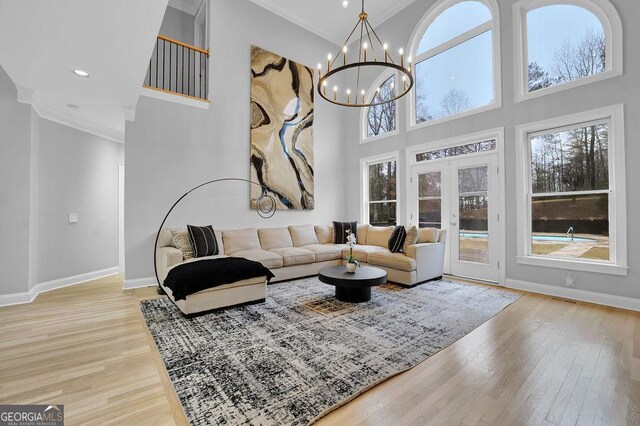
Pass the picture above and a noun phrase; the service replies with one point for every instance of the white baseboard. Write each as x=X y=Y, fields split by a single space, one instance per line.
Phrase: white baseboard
x=28 y=297
x=577 y=294
x=139 y=283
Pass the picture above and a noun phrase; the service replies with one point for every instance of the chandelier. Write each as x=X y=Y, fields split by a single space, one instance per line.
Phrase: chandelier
x=371 y=52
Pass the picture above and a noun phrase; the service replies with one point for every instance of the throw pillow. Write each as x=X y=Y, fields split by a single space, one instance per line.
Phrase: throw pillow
x=427 y=235
x=182 y=241
x=340 y=231
x=396 y=241
x=412 y=238
x=203 y=240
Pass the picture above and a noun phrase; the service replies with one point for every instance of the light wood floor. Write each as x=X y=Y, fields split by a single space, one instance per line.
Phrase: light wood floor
x=541 y=361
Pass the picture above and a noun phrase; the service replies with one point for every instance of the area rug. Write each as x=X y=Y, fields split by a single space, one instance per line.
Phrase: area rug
x=302 y=353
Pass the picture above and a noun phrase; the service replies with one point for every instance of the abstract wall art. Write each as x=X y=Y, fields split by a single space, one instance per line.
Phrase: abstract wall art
x=282 y=130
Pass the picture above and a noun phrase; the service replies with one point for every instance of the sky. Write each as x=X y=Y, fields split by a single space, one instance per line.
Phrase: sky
x=468 y=66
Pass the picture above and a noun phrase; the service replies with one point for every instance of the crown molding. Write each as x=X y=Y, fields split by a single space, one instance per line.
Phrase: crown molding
x=310 y=26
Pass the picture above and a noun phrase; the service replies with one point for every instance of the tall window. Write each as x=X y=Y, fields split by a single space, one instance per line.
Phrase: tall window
x=454 y=68
x=380 y=191
x=381 y=118
x=559 y=46
x=572 y=192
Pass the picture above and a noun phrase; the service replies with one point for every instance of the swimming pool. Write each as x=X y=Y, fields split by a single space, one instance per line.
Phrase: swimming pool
x=561 y=238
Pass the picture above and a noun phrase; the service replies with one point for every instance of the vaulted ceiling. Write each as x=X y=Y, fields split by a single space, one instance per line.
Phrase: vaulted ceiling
x=328 y=18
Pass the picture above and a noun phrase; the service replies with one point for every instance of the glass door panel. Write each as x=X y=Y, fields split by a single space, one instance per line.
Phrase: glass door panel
x=473 y=215
x=429 y=200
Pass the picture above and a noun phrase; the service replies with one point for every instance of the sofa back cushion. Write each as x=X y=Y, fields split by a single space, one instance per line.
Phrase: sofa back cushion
x=165 y=239
x=427 y=235
x=303 y=235
x=240 y=239
x=271 y=238
x=379 y=235
x=361 y=236
x=324 y=234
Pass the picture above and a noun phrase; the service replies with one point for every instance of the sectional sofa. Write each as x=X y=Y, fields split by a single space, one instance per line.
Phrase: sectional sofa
x=299 y=251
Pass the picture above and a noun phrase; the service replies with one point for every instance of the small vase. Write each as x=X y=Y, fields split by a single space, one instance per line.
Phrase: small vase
x=351 y=267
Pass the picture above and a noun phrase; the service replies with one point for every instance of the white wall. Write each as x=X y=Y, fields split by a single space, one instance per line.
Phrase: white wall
x=178 y=25
x=171 y=148
x=48 y=170
x=15 y=151
x=77 y=173
x=624 y=89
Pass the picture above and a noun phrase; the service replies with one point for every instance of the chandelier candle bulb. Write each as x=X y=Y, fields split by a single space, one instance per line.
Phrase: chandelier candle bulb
x=364 y=47
x=362 y=92
x=386 y=53
x=319 y=70
x=401 y=58
x=344 y=52
x=348 y=96
x=324 y=88
x=335 y=92
x=329 y=62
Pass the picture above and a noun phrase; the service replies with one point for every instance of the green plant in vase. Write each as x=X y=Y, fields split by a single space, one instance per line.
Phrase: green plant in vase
x=352 y=263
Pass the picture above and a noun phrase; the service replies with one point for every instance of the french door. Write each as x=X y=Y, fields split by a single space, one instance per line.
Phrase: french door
x=461 y=196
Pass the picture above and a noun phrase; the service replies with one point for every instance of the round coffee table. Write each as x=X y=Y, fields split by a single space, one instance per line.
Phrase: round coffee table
x=356 y=287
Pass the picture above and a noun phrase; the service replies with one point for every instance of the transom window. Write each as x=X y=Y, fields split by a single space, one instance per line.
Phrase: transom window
x=381 y=118
x=380 y=187
x=453 y=151
x=454 y=65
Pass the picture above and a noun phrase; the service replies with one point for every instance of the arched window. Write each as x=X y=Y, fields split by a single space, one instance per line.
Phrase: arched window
x=457 y=61
x=563 y=45
x=381 y=119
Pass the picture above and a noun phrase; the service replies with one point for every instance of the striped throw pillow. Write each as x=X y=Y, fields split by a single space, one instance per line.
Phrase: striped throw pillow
x=203 y=240
x=396 y=240
x=340 y=231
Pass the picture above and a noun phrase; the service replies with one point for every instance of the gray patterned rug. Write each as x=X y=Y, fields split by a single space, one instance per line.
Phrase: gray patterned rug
x=303 y=353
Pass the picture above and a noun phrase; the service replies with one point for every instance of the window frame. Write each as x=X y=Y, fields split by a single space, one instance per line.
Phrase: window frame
x=364 y=183
x=364 y=114
x=611 y=25
x=416 y=37
x=617 y=264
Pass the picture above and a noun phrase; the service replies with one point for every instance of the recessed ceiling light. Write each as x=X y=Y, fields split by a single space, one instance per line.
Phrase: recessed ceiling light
x=73 y=106
x=81 y=73
x=345 y=4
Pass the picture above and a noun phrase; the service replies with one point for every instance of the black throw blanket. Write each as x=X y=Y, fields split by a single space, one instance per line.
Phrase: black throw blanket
x=193 y=277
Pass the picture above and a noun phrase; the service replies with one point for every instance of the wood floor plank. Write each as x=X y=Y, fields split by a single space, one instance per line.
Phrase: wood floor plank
x=542 y=360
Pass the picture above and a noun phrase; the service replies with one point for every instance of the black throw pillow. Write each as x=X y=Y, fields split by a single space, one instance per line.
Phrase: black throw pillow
x=396 y=240
x=203 y=240
x=340 y=231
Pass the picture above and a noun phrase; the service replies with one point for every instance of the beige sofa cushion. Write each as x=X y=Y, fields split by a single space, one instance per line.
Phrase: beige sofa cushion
x=271 y=238
x=427 y=235
x=303 y=235
x=360 y=252
x=361 y=234
x=392 y=260
x=182 y=241
x=268 y=259
x=325 y=252
x=240 y=240
x=379 y=235
x=294 y=255
x=324 y=234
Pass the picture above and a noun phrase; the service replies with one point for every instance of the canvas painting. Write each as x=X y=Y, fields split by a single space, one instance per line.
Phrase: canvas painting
x=281 y=130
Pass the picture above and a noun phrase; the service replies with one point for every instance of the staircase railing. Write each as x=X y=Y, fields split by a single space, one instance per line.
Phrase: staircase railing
x=178 y=68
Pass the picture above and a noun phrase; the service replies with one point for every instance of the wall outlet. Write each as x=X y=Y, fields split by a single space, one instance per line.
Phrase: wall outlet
x=571 y=280
x=73 y=217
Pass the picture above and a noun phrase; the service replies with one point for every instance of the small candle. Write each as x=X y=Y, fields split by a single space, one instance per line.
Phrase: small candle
x=386 y=54
x=404 y=82
x=344 y=51
x=319 y=70
x=362 y=93
x=348 y=96
x=335 y=92
x=402 y=58
x=324 y=87
x=364 y=46
x=329 y=62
